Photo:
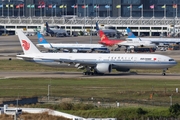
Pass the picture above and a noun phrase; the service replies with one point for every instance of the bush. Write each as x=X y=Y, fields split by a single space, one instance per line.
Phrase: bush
x=175 y=109
x=66 y=106
x=140 y=111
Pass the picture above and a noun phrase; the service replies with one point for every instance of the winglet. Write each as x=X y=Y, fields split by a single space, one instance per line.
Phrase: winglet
x=130 y=34
x=41 y=39
x=26 y=44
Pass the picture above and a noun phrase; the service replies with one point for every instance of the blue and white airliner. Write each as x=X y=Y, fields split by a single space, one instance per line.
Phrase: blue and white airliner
x=95 y=63
x=156 y=41
x=70 y=47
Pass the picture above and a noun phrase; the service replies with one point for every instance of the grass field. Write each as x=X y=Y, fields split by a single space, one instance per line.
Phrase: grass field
x=106 y=90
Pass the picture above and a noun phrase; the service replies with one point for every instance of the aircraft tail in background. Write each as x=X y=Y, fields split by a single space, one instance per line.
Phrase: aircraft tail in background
x=106 y=41
x=47 y=27
x=41 y=39
x=102 y=36
x=97 y=27
x=130 y=34
x=48 y=30
x=26 y=44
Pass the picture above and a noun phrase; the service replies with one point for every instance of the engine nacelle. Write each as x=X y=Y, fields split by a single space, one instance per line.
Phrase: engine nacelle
x=123 y=69
x=131 y=47
x=74 y=50
x=141 y=45
x=103 y=68
x=65 y=50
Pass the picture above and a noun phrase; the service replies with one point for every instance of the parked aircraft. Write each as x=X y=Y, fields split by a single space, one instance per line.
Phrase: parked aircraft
x=127 y=43
x=95 y=63
x=157 y=41
x=70 y=47
x=56 y=31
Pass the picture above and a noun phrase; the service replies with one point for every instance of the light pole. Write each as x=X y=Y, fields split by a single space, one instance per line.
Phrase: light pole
x=48 y=91
x=170 y=100
x=91 y=32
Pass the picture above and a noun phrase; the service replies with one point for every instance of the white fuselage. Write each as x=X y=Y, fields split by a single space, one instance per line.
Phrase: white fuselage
x=137 y=43
x=157 y=40
x=147 y=61
x=82 y=47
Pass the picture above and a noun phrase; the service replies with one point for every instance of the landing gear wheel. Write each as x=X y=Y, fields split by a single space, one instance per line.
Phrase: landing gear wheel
x=88 y=73
x=164 y=74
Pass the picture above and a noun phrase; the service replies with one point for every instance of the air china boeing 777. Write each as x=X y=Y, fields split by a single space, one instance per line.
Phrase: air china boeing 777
x=95 y=63
x=71 y=47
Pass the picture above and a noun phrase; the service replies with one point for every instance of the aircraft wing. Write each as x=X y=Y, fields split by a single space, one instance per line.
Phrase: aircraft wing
x=77 y=63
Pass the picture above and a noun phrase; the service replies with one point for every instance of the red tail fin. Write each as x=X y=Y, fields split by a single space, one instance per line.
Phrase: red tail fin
x=103 y=37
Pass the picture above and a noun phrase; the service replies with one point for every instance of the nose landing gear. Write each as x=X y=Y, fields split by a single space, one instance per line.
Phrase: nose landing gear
x=164 y=71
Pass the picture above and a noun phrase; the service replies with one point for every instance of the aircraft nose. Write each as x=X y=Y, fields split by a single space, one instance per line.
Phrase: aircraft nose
x=175 y=62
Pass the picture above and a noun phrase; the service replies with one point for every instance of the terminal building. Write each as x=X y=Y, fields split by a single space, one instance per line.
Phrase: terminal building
x=91 y=8
x=151 y=17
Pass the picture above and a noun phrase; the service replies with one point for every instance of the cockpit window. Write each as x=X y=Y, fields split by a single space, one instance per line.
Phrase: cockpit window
x=171 y=59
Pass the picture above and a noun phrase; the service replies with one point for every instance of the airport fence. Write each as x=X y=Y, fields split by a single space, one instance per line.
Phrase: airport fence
x=100 y=102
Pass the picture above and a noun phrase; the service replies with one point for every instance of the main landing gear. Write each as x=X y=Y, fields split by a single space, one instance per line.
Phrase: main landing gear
x=91 y=71
x=88 y=73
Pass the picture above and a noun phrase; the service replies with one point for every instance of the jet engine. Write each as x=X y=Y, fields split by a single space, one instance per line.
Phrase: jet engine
x=141 y=45
x=74 y=50
x=103 y=68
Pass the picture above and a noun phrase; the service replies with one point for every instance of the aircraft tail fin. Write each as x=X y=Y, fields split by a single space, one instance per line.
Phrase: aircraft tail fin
x=47 y=27
x=48 y=30
x=97 y=26
x=130 y=34
x=102 y=36
x=26 y=44
x=41 y=39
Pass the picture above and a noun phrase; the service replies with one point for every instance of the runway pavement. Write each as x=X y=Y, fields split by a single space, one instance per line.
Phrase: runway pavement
x=80 y=75
x=10 y=46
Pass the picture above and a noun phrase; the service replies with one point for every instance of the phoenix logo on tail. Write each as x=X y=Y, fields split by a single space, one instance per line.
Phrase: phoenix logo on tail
x=102 y=36
x=25 y=45
x=105 y=40
x=41 y=39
